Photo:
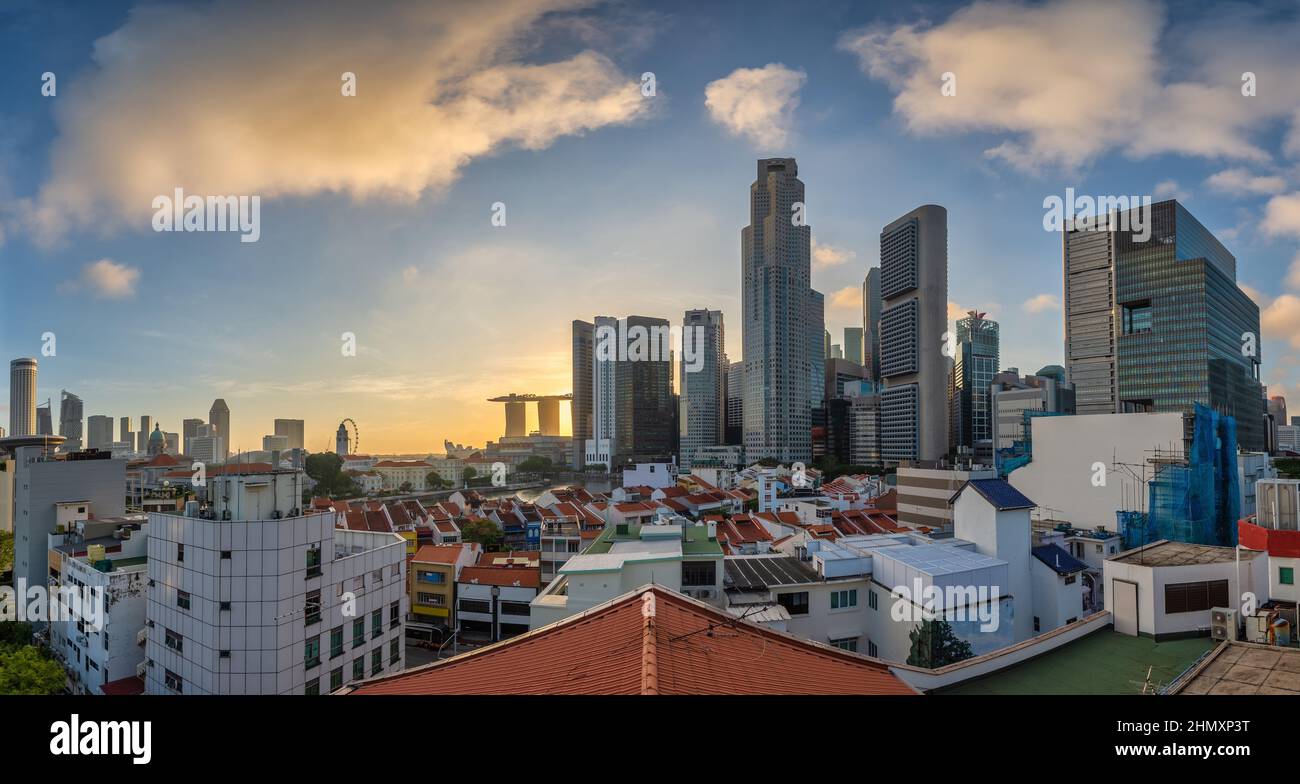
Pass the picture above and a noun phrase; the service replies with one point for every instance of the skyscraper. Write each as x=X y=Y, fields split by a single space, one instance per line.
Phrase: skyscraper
x=703 y=406
x=99 y=432
x=22 y=397
x=219 y=416
x=975 y=363
x=871 y=323
x=913 y=320
x=189 y=429
x=580 y=411
x=1155 y=321
x=292 y=429
x=735 y=434
x=124 y=430
x=782 y=327
x=633 y=412
x=853 y=344
x=44 y=419
x=71 y=414
x=142 y=437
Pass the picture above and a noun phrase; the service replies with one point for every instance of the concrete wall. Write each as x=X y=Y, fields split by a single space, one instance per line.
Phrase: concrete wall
x=1151 y=582
x=1065 y=449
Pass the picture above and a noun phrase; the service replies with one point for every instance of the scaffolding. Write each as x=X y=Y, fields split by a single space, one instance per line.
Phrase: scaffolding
x=1020 y=452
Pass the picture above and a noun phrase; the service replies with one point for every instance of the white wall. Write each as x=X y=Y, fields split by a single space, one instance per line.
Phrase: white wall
x=1151 y=582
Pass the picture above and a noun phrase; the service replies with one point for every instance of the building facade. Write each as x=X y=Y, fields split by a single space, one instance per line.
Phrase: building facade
x=703 y=407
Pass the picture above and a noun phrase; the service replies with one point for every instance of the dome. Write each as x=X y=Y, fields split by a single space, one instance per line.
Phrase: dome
x=156 y=436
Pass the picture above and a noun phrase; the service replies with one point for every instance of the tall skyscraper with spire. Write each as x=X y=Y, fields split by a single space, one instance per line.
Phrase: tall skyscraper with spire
x=219 y=417
x=782 y=328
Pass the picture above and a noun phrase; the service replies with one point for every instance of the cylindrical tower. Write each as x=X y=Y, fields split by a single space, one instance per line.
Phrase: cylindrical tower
x=548 y=415
x=517 y=418
x=22 y=397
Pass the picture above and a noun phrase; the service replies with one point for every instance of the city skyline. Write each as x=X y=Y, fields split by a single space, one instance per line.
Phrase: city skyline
x=414 y=268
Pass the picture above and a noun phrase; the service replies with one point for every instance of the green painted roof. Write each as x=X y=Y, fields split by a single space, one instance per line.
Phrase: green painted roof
x=696 y=540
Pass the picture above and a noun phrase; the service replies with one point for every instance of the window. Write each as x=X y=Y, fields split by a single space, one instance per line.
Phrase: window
x=312 y=614
x=336 y=641
x=225 y=605
x=174 y=641
x=313 y=561
x=846 y=644
x=872 y=650
x=1069 y=621
x=376 y=661
x=474 y=606
x=1195 y=597
x=1137 y=317
x=358 y=632
x=358 y=668
x=794 y=603
x=223 y=654
x=172 y=681
x=1069 y=579
x=311 y=653
x=376 y=623
x=180 y=553
x=872 y=600
x=183 y=600
x=515 y=608
x=699 y=573
x=1036 y=629
x=394 y=651
x=395 y=570
x=395 y=614
x=378 y=575
x=225 y=555
x=1098 y=548
x=312 y=687
x=436 y=578
x=434 y=599
x=1286 y=575
x=336 y=679
x=842 y=600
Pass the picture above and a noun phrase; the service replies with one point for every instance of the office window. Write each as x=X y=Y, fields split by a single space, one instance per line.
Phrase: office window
x=1195 y=597
x=358 y=632
x=394 y=651
x=311 y=652
x=1036 y=629
x=225 y=605
x=312 y=687
x=183 y=600
x=395 y=614
x=1286 y=575
x=1137 y=317
x=180 y=553
x=376 y=623
x=358 y=668
x=795 y=603
x=376 y=661
x=223 y=654
x=336 y=641
x=312 y=610
x=225 y=555
x=172 y=681
x=174 y=641
x=313 y=561
x=395 y=570
x=336 y=679
x=841 y=600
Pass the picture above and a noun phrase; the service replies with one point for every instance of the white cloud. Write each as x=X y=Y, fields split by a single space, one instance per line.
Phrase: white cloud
x=243 y=97
x=848 y=298
x=106 y=279
x=830 y=256
x=757 y=103
x=1293 y=274
x=1041 y=303
x=410 y=274
x=1168 y=189
x=1046 y=74
x=1281 y=319
x=1240 y=182
x=1282 y=215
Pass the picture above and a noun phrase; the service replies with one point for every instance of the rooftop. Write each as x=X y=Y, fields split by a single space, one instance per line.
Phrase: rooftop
x=1246 y=669
x=765 y=571
x=648 y=641
x=997 y=492
x=695 y=539
x=1167 y=553
x=1105 y=662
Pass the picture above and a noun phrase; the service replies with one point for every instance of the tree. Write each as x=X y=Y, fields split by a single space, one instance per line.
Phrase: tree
x=405 y=487
x=536 y=464
x=769 y=462
x=469 y=474
x=433 y=480
x=485 y=532
x=934 y=644
x=596 y=468
x=326 y=468
x=6 y=551
x=26 y=670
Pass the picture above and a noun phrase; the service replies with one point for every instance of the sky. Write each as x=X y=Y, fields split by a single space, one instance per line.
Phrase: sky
x=377 y=208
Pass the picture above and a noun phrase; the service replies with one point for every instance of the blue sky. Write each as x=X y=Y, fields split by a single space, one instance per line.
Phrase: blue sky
x=616 y=203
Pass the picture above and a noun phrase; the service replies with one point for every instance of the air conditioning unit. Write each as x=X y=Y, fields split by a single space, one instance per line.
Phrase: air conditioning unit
x=1223 y=624
x=140 y=669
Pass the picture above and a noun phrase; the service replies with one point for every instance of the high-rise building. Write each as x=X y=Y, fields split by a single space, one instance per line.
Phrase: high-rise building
x=219 y=416
x=840 y=372
x=71 y=414
x=913 y=320
x=580 y=411
x=633 y=410
x=99 y=432
x=1014 y=402
x=1275 y=406
x=189 y=429
x=22 y=397
x=871 y=323
x=44 y=419
x=142 y=437
x=975 y=362
x=206 y=446
x=291 y=429
x=735 y=404
x=276 y=443
x=124 y=431
x=703 y=403
x=853 y=344
x=1155 y=321
x=783 y=328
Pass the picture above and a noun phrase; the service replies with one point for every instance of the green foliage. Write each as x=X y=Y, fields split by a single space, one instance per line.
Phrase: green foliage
x=935 y=645
x=596 y=468
x=469 y=473
x=1288 y=467
x=27 y=670
x=327 y=469
x=6 y=551
x=769 y=462
x=15 y=634
x=536 y=464
x=434 y=481
x=485 y=532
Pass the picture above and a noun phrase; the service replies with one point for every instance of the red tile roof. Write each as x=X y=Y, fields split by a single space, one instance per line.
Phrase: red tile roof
x=650 y=641
x=439 y=553
x=505 y=576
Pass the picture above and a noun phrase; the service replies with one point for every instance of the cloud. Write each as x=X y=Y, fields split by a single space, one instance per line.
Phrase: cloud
x=1168 y=189
x=1041 y=303
x=410 y=274
x=1293 y=274
x=1282 y=215
x=957 y=312
x=106 y=279
x=757 y=103
x=1281 y=319
x=1240 y=182
x=1040 y=73
x=243 y=97
x=847 y=298
x=830 y=256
